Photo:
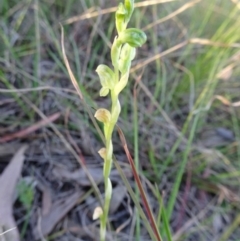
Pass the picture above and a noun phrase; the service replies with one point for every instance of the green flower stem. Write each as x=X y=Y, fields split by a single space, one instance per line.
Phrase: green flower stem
x=122 y=53
x=108 y=130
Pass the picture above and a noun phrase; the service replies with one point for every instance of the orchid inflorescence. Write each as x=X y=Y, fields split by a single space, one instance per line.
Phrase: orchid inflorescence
x=113 y=82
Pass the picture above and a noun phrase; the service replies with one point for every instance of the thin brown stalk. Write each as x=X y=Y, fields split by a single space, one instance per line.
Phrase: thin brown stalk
x=140 y=187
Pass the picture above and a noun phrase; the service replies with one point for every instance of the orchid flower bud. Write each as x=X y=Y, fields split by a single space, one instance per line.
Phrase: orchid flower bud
x=98 y=212
x=120 y=18
x=115 y=52
x=129 y=6
x=108 y=191
x=103 y=153
x=104 y=91
x=103 y=115
x=127 y=52
x=124 y=65
x=133 y=36
x=106 y=76
x=126 y=56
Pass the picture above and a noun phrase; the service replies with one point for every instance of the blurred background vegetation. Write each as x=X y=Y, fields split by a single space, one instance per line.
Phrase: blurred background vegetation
x=180 y=116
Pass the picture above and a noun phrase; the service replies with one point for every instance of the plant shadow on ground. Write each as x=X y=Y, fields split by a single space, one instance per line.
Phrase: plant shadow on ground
x=181 y=120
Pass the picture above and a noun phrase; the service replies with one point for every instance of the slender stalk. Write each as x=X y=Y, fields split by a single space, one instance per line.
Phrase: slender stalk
x=139 y=184
x=136 y=155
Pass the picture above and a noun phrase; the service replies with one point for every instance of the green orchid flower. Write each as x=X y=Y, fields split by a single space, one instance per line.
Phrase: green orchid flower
x=123 y=51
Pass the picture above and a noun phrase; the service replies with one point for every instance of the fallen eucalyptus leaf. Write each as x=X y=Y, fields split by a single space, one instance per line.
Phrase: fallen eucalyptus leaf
x=8 y=181
x=58 y=211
